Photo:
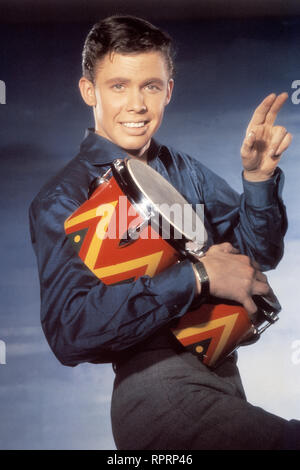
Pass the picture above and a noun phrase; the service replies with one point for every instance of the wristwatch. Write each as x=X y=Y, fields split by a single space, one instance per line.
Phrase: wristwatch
x=203 y=278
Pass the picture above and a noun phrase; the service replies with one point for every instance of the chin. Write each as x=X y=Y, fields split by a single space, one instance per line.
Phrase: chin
x=135 y=144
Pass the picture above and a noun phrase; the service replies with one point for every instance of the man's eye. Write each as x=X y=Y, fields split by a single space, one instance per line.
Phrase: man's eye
x=152 y=87
x=118 y=86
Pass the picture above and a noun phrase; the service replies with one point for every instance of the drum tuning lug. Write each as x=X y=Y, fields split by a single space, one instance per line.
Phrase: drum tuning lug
x=132 y=234
x=270 y=318
x=96 y=183
x=103 y=180
x=193 y=248
x=117 y=163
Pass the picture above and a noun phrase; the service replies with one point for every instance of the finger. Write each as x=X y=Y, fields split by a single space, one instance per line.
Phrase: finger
x=259 y=276
x=262 y=110
x=260 y=288
x=245 y=260
x=278 y=134
x=286 y=142
x=275 y=108
x=271 y=296
x=249 y=305
x=255 y=264
x=226 y=247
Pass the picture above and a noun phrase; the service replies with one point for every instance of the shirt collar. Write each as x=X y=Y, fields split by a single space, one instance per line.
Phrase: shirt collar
x=101 y=151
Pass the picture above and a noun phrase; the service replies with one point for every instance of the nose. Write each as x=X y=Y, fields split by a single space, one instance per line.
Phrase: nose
x=136 y=101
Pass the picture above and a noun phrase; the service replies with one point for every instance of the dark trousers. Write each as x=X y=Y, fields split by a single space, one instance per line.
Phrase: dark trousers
x=165 y=400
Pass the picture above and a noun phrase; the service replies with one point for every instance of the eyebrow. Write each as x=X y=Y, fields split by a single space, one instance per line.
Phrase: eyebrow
x=110 y=81
x=155 y=80
x=117 y=79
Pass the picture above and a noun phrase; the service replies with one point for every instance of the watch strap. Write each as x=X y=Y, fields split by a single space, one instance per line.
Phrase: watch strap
x=203 y=278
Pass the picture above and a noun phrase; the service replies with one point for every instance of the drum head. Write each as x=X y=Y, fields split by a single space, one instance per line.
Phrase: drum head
x=168 y=202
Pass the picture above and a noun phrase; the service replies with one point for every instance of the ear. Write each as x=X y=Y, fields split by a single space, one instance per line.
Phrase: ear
x=87 y=91
x=169 y=91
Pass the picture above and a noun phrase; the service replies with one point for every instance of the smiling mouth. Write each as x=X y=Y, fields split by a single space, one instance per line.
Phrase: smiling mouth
x=134 y=124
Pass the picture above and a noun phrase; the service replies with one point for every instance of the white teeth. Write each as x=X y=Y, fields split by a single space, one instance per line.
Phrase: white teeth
x=134 y=124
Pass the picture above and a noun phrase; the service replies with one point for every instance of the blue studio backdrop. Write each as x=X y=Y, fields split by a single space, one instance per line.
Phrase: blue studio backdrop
x=225 y=67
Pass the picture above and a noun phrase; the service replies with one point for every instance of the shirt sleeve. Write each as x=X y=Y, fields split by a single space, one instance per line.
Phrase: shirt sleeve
x=255 y=222
x=85 y=320
x=263 y=221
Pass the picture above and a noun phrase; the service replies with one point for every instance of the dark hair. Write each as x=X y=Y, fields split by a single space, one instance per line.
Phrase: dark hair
x=125 y=35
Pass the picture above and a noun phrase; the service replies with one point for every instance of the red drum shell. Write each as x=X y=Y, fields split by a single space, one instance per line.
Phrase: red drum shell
x=95 y=230
x=211 y=331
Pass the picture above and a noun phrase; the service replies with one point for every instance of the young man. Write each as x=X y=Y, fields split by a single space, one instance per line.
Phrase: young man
x=164 y=397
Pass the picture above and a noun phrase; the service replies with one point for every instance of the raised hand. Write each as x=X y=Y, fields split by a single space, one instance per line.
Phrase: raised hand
x=264 y=143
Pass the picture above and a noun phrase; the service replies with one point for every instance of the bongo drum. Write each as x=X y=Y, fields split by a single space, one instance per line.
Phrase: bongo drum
x=136 y=223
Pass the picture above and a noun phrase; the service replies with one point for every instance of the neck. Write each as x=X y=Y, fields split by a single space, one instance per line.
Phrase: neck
x=141 y=154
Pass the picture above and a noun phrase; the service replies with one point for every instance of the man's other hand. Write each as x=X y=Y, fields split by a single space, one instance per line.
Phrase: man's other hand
x=233 y=276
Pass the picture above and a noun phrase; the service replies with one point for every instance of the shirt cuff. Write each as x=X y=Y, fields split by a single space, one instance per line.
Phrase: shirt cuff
x=262 y=194
x=176 y=288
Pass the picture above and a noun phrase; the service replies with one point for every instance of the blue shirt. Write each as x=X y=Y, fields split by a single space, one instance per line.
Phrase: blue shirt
x=85 y=320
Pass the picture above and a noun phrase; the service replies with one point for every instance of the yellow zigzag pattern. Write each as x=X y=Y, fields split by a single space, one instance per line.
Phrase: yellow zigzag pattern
x=106 y=211
x=228 y=322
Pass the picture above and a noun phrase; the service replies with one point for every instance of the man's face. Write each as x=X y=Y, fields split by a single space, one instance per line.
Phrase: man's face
x=131 y=92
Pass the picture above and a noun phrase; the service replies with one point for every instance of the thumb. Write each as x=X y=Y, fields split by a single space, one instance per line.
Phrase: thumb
x=226 y=247
x=248 y=142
